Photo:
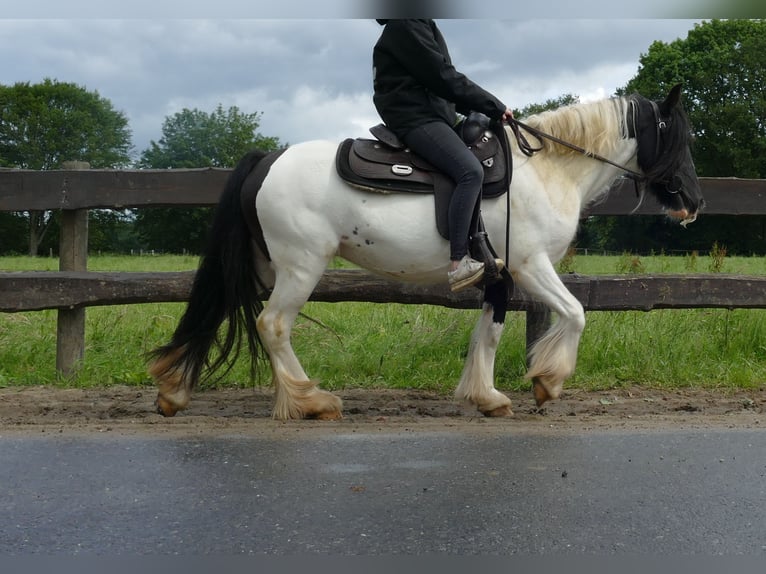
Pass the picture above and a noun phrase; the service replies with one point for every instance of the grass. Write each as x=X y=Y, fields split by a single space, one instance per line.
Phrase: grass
x=423 y=347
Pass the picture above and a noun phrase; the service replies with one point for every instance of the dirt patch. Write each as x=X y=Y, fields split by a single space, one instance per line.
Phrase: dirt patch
x=130 y=410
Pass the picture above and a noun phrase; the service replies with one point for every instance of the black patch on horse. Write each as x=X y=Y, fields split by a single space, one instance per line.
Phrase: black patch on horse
x=250 y=189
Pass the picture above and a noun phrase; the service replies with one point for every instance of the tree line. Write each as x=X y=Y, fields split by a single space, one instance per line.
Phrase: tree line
x=43 y=126
x=720 y=64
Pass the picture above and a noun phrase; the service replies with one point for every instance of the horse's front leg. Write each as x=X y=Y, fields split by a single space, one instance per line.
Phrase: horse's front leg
x=552 y=358
x=477 y=382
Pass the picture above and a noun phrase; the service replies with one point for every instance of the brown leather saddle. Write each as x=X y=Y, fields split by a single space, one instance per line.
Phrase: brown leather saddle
x=385 y=165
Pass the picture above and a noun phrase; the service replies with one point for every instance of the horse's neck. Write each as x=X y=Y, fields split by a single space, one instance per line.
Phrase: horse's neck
x=598 y=128
x=595 y=177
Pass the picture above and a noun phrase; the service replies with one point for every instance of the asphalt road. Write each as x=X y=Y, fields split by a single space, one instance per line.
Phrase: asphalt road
x=602 y=493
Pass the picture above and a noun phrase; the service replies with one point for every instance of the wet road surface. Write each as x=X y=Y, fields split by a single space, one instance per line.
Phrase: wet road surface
x=693 y=492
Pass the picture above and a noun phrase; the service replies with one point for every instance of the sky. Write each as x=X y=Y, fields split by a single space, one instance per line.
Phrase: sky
x=307 y=78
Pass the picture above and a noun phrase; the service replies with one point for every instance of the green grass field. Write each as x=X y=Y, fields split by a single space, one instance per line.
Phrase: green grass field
x=405 y=346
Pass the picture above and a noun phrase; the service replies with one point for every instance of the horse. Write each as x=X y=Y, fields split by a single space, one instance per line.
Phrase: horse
x=283 y=216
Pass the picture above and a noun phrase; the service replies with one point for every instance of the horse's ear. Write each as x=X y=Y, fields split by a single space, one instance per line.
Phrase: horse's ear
x=673 y=99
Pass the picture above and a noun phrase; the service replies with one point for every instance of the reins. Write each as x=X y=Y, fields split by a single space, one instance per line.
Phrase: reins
x=529 y=150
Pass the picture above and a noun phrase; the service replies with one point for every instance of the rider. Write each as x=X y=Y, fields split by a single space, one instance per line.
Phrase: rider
x=417 y=94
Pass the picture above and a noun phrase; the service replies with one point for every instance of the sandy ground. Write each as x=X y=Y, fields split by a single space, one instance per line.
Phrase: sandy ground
x=123 y=410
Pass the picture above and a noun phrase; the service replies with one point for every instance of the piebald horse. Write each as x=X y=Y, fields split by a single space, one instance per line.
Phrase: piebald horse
x=273 y=237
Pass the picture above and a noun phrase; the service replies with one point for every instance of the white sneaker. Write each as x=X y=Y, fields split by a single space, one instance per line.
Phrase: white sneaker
x=468 y=273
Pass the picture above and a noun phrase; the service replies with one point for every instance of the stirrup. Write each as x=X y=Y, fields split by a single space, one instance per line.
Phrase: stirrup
x=481 y=251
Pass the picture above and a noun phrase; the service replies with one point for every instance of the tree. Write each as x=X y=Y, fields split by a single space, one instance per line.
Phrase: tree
x=551 y=104
x=112 y=230
x=192 y=139
x=722 y=67
x=12 y=231
x=44 y=125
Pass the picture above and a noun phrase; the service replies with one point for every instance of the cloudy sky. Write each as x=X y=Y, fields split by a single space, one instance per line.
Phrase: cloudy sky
x=308 y=78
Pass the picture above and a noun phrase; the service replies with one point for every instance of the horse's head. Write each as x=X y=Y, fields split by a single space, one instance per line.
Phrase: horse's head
x=664 y=136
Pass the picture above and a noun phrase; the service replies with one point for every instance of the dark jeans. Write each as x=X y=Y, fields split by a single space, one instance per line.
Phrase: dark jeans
x=438 y=144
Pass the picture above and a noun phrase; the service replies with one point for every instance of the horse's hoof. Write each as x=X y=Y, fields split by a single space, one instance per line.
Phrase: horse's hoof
x=165 y=407
x=503 y=411
x=318 y=405
x=330 y=407
x=540 y=393
x=334 y=415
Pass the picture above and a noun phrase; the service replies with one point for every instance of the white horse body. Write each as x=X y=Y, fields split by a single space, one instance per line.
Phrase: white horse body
x=308 y=215
x=398 y=239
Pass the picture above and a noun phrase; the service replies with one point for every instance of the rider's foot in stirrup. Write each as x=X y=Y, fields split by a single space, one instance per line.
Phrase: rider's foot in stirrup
x=467 y=273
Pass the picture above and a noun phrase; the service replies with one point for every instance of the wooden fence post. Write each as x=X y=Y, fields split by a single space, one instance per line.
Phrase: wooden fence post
x=73 y=256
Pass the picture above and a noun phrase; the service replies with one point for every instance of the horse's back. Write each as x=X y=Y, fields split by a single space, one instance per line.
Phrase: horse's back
x=308 y=162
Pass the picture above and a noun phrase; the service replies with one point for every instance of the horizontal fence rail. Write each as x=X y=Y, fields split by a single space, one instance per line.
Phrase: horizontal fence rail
x=24 y=190
x=73 y=288
x=38 y=290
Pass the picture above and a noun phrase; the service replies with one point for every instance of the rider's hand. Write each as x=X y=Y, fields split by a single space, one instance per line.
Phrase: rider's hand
x=507 y=115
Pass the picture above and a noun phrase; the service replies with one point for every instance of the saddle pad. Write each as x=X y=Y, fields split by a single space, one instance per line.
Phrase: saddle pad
x=373 y=166
x=376 y=176
x=374 y=151
x=371 y=160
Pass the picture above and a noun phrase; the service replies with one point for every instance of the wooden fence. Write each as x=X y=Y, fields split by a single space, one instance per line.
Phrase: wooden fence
x=73 y=288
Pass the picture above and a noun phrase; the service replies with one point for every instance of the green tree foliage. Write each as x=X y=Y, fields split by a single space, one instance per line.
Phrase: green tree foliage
x=722 y=66
x=13 y=233
x=112 y=231
x=723 y=69
x=193 y=139
x=44 y=125
x=551 y=104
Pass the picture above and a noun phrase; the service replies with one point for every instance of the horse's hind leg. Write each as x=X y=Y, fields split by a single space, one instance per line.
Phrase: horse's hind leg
x=296 y=396
x=553 y=356
x=477 y=382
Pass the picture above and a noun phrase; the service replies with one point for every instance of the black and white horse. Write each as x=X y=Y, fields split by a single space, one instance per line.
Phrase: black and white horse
x=277 y=237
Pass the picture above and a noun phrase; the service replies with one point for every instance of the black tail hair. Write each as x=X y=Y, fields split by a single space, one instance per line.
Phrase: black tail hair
x=226 y=288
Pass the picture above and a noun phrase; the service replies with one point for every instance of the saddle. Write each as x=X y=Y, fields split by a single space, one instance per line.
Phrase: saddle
x=385 y=165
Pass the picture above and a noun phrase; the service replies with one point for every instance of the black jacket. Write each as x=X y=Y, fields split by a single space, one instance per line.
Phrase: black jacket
x=415 y=81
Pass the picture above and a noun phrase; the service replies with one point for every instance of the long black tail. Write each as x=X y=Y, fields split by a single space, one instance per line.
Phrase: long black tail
x=226 y=288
